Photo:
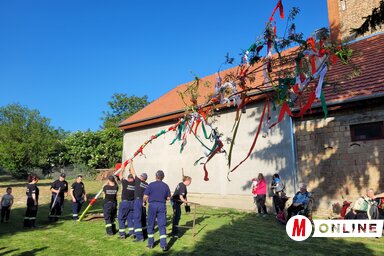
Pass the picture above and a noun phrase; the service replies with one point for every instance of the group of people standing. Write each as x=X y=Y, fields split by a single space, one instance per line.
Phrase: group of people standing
x=59 y=190
x=279 y=198
x=136 y=194
x=259 y=191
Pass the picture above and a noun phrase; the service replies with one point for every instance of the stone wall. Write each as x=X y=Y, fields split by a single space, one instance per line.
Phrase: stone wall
x=352 y=12
x=331 y=164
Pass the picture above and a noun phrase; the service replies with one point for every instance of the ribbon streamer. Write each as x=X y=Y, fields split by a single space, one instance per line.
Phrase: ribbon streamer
x=254 y=140
x=138 y=151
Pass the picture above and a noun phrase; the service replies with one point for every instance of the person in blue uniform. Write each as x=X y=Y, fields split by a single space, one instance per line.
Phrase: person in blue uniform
x=32 y=202
x=126 y=205
x=59 y=189
x=179 y=197
x=139 y=213
x=78 y=196
x=157 y=194
x=110 y=204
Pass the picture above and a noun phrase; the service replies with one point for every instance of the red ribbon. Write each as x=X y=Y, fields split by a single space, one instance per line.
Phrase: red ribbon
x=279 y=6
x=217 y=150
x=312 y=46
x=255 y=139
x=285 y=109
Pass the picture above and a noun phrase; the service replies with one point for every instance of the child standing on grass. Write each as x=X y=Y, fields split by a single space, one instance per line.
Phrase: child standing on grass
x=6 y=204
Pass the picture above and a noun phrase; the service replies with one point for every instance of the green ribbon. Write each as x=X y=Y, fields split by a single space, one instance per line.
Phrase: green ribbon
x=180 y=130
x=205 y=131
x=233 y=140
x=324 y=104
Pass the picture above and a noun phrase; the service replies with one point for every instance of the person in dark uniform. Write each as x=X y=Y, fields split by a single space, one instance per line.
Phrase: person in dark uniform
x=110 y=204
x=126 y=205
x=32 y=202
x=59 y=189
x=78 y=196
x=139 y=214
x=179 y=197
x=157 y=194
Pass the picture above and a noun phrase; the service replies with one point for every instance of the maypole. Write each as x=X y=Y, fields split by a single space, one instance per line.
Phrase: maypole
x=138 y=151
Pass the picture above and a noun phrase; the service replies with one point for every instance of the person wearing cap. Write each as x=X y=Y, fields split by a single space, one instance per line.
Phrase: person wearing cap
x=78 y=196
x=59 y=189
x=125 y=214
x=139 y=213
x=179 y=197
x=157 y=194
x=299 y=201
x=109 y=206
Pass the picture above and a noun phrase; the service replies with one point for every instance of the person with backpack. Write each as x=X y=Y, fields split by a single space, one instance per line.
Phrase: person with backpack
x=277 y=187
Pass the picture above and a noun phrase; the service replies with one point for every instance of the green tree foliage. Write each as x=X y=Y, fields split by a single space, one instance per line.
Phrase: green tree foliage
x=27 y=140
x=100 y=149
x=121 y=107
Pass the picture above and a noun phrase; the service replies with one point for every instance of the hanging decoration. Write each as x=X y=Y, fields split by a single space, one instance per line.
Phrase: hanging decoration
x=311 y=61
x=139 y=151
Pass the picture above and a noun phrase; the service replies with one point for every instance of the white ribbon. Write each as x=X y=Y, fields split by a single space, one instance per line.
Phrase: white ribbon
x=319 y=87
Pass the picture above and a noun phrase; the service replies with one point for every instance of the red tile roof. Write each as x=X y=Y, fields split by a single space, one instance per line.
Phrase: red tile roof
x=368 y=57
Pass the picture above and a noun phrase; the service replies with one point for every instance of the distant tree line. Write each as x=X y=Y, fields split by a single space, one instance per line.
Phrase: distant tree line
x=28 y=141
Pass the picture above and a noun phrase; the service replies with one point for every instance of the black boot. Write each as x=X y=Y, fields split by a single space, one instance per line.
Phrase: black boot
x=26 y=223
x=114 y=231
x=32 y=223
x=109 y=230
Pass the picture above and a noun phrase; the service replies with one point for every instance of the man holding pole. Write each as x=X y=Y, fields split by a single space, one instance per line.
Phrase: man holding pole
x=139 y=214
x=59 y=189
x=179 y=197
x=126 y=205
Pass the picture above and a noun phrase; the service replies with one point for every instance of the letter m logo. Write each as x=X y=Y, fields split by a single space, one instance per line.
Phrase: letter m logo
x=298 y=228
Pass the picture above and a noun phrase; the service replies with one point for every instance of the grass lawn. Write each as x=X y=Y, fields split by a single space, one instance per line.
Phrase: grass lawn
x=219 y=232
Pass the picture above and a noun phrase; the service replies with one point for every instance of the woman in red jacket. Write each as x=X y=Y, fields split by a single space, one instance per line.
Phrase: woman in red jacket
x=261 y=191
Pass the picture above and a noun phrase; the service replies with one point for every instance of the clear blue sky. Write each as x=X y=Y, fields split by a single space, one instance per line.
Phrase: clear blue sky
x=67 y=58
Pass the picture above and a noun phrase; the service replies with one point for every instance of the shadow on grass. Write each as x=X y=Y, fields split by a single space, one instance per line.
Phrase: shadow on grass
x=251 y=235
x=25 y=253
x=16 y=221
x=18 y=184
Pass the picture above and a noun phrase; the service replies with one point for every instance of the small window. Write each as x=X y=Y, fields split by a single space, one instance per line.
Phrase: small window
x=367 y=131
